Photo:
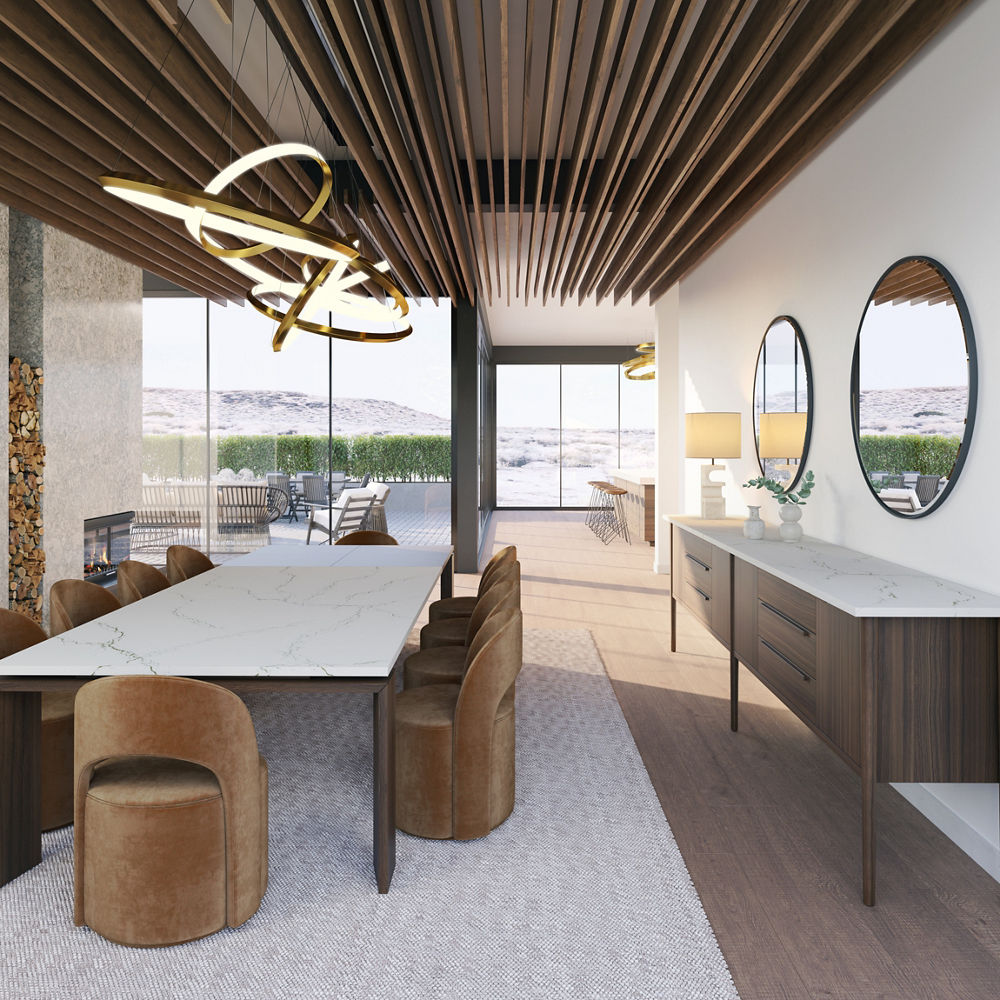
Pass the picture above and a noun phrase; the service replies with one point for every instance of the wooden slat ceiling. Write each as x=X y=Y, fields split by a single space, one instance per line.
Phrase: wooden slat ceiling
x=913 y=282
x=518 y=148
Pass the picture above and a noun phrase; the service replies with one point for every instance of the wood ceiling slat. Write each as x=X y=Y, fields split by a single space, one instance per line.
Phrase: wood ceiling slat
x=349 y=33
x=548 y=89
x=484 y=91
x=410 y=100
x=582 y=11
x=453 y=33
x=912 y=282
x=384 y=238
x=295 y=34
x=879 y=63
x=763 y=118
x=505 y=127
x=701 y=71
x=529 y=38
x=665 y=26
x=598 y=82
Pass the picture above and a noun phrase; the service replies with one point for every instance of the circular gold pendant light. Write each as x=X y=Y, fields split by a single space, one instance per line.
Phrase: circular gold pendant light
x=643 y=367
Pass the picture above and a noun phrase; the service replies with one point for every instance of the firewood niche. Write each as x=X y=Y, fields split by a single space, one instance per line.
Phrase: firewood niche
x=27 y=463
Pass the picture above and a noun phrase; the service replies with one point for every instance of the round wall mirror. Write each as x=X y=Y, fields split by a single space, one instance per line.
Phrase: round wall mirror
x=913 y=387
x=782 y=402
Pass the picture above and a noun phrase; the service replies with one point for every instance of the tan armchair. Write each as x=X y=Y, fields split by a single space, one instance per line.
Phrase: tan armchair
x=459 y=631
x=183 y=562
x=18 y=632
x=455 y=743
x=461 y=607
x=171 y=810
x=137 y=580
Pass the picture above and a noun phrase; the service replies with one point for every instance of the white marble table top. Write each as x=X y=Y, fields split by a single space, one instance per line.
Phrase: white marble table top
x=251 y=621
x=345 y=555
x=862 y=585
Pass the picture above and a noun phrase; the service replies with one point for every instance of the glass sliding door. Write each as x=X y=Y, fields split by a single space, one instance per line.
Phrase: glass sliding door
x=637 y=424
x=589 y=429
x=528 y=414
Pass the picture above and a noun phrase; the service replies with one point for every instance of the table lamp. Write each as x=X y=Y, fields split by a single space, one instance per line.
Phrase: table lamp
x=712 y=435
x=782 y=435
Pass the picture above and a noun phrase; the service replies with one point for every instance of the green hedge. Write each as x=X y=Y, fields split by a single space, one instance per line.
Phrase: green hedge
x=394 y=457
x=931 y=455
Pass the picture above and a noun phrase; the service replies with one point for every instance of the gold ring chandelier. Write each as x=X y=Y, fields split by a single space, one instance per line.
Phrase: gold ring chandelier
x=332 y=269
x=643 y=367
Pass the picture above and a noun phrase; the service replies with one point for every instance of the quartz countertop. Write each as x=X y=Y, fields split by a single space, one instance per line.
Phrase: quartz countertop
x=638 y=477
x=862 y=585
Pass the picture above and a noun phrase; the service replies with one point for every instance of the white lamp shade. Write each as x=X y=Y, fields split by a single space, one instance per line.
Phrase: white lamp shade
x=712 y=435
x=782 y=435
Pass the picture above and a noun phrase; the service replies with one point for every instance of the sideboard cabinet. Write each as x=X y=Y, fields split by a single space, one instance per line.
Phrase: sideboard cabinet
x=894 y=669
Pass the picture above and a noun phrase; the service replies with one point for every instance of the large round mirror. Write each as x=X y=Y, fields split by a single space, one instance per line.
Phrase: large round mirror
x=913 y=387
x=782 y=402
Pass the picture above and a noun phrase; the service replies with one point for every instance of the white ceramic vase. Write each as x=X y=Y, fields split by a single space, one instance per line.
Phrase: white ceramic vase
x=753 y=526
x=791 y=514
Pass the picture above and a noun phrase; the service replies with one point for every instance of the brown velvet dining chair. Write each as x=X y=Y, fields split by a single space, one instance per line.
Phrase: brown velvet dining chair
x=366 y=537
x=184 y=562
x=459 y=631
x=170 y=842
x=18 y=632
x=455 y=743
x=75 y=602
x=462 y=607
x=137 y=580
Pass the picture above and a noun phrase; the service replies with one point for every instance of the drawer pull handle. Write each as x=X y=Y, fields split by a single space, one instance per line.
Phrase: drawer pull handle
x=786 y=618
x=702 y=592
x=695 y=559
x=778 y=653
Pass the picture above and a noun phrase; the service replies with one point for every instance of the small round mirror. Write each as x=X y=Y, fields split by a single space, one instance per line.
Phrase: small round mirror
x=782 y=402
x=913 y=387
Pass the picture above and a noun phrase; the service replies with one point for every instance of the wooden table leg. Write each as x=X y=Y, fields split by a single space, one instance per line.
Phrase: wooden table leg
x=384 y=783
x=20 y=782
x=448 y=578
x=734 y=693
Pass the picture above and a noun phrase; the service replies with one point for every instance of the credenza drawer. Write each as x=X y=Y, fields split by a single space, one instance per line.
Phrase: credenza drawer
x=789 y=681
x=698 y=600
x=783 y=599
x=695 y=553
x=787 y=636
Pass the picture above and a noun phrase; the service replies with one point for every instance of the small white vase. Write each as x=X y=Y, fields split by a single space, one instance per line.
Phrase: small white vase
x=790 y=529
x=753 y=526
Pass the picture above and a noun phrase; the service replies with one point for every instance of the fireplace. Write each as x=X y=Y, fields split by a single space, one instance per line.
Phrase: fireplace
x=105 y=545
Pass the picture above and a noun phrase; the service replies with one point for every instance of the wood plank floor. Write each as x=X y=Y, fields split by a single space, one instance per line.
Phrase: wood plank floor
x=768 y=819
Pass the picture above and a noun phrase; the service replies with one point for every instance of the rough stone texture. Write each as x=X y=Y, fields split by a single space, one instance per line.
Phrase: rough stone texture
x=26 y=544
x=4 y=337
x=92 y=417
x=26 y=282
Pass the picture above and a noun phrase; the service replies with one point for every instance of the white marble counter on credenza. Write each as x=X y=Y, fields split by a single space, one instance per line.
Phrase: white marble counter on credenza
x=861 y=585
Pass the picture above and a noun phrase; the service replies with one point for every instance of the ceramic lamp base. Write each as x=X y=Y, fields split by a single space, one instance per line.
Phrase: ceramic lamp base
x=713 y=504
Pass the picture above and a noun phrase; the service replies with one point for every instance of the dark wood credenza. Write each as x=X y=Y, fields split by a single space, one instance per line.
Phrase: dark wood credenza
x=894 y=669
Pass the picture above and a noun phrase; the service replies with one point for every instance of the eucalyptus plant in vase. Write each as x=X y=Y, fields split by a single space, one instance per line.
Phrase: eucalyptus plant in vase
x=790 y=502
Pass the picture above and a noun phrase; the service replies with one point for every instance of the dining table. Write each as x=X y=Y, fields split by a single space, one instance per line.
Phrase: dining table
x=283 y=618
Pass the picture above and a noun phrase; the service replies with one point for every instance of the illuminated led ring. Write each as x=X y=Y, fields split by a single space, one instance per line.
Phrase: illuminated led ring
x=644 y=364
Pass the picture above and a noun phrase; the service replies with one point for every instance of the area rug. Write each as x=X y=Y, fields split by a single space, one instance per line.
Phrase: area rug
x=581 y=893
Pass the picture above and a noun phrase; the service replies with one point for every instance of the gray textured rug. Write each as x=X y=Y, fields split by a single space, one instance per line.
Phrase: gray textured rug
x=582 y=893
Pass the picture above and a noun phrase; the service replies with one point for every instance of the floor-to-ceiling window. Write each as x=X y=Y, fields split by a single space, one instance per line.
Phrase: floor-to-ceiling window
x=560 y=425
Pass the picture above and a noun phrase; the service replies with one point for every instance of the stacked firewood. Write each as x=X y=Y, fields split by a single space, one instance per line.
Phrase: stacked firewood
x=27 y=461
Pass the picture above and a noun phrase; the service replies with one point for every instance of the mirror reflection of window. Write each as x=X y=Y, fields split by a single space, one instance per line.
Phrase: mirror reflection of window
x=781 y=401
x=912 y=386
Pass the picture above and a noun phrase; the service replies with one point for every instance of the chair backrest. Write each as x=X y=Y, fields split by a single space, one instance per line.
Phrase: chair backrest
x=495 y=665
x=277 y=502
x=183 y=719
x=18 y=632
x=504 y=589
x=507 y=554
x=354 y=505
x=280 y=480
x=314 y=488
x=367 y=538
x=137 y=580
x=378 y=490
x=926 y=488
x=183 y=562
x=74 y=602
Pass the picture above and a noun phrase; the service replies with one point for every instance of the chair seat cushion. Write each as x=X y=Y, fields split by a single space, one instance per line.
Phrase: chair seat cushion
x=57 y=705
x=452 y=607
x=158 y=782
x=440 y=665
x=428 y=707
x=449 y=632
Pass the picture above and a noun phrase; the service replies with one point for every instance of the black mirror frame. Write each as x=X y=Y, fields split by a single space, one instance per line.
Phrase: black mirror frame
x=801 y=341
x=965 y=319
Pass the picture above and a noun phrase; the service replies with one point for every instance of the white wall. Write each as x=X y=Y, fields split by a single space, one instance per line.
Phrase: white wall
x=916 y=173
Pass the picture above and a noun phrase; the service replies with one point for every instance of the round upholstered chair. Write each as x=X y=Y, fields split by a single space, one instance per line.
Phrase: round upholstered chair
x=137 y=580
x=459 y=631
x=448 y=664
x=75 y=602
x=18 y=632
x=184 y=562
x=170 y=842
x=462 y=607
x=366 y=537
x=455 y=743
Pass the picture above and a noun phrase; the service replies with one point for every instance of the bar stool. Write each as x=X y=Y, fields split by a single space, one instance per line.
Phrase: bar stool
x=596 y=501
x=611 y=514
